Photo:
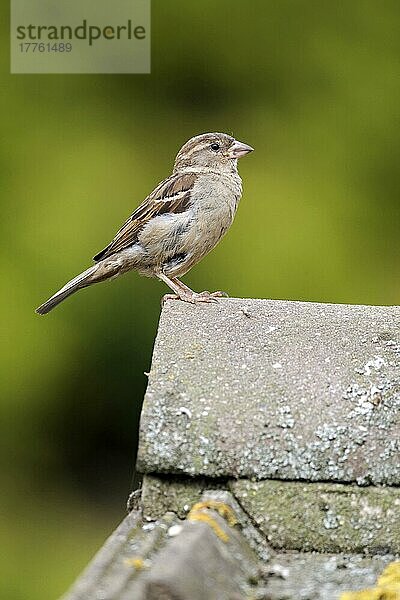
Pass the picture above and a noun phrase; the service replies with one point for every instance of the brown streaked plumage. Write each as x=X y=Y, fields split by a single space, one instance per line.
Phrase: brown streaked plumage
x=170 y=196
x=177 y=224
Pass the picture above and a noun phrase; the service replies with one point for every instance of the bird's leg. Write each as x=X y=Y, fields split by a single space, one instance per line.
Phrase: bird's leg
x=187 y=295
x=204 y=294
x=183 y=292
x=182 y=285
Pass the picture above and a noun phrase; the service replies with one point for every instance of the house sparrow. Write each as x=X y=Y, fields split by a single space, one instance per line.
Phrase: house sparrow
x=177 y=224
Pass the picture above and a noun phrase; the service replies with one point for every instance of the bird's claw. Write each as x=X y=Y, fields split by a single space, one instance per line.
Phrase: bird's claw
x=194 y=298
x=184 y=297
x=217 y=294
x=207 y=296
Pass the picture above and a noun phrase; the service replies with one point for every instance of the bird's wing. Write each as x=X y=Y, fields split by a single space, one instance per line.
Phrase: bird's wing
x=171 y=196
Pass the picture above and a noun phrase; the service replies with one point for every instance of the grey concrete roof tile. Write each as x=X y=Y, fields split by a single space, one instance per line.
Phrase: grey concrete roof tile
x=261 y=388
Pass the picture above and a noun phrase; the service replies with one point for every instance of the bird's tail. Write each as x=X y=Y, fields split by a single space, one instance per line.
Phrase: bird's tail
x=94 y=274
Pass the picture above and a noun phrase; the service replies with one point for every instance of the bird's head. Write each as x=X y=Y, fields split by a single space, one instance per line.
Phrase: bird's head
x=213 y=151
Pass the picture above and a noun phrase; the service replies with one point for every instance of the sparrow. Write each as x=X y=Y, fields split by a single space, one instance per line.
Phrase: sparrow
x=180 y=222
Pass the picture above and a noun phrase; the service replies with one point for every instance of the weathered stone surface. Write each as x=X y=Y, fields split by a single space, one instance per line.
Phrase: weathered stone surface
x=197 y=565
x=294 y=576
x=205 y=557
x=288 y=390
x=193 y=560
x=253 y=536
x=323 y=517
x=294 y=515
x=276 y=402
x=122 y=558
x=176 y=494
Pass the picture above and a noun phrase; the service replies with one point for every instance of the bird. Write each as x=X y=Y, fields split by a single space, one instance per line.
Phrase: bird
x=176 y=225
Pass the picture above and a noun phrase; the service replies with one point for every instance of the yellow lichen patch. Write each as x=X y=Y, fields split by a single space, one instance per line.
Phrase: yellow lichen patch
x=136 y=561
x=224 y=510
x=201 y=516
x=387 y=586
x=391 y=575
x=221 y=508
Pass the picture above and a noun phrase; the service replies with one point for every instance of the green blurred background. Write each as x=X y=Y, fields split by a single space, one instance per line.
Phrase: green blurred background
x=314 y=86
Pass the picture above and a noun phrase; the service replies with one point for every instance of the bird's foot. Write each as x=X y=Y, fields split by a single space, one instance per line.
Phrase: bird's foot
x=207 y=296
x=194 y=297
x=217 y=294
x=184 y=296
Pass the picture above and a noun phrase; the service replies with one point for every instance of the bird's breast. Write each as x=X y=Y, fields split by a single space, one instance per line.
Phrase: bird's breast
x=213 y=208
x=176 y=242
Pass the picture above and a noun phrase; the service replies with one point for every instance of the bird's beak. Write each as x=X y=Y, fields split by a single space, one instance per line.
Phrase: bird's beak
x=238 y=149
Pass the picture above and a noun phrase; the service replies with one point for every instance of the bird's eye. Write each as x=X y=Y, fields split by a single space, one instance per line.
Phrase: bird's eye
x=215 y=146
